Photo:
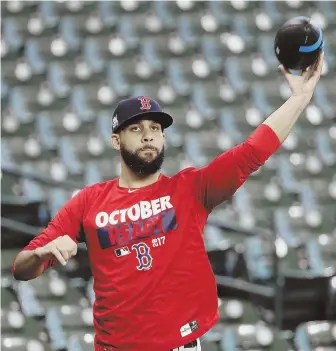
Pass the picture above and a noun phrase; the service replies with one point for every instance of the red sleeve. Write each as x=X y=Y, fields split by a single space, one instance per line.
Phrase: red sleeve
x=219 y=180
x=68 y=221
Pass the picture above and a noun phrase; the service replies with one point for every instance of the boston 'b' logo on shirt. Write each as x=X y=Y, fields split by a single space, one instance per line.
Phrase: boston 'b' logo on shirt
x=145 y=103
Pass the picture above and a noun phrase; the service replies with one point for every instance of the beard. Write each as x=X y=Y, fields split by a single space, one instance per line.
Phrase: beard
x=138 y=165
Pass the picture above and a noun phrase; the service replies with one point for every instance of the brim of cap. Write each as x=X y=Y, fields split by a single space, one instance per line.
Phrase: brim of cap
x=162 y=118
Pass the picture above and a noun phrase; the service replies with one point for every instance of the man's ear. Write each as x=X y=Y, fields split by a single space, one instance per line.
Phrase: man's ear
x=115 y=141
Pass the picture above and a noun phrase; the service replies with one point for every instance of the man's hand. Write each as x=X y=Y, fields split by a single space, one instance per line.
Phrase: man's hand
x=305 y=83
x=61 y=249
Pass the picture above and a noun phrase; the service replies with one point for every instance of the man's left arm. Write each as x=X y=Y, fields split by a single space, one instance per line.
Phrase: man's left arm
x=219 y=180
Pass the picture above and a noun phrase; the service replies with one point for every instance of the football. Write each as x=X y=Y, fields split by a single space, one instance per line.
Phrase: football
x=298 y=43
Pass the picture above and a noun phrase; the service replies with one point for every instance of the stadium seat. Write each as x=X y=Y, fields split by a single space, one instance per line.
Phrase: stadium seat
x=315 y=335
x=51 y=290
x=80 y=341
x=63 y=323
x=33 y=190
x=23 y=344
x=7 y=297
x=234 y=311
x=6 y=155
x=29 y=303
x=11 y=34
x=56 y=332
x=249 y=336
x=329 y=11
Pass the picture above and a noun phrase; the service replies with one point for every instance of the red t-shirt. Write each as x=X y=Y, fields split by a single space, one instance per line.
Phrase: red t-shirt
x=154 y=286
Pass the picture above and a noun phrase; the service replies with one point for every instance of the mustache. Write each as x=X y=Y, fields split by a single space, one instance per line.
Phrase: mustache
x=149 y=147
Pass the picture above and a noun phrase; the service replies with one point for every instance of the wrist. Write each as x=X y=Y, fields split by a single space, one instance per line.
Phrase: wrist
x=304 y=97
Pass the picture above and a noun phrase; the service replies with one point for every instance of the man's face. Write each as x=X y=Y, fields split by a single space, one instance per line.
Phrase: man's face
x=142 y=147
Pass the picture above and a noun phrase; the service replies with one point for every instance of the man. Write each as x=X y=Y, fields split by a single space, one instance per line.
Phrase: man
x=154 y=285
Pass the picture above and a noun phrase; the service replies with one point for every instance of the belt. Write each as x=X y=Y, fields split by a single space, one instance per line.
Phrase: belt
x=186 y=346
x=190 y=345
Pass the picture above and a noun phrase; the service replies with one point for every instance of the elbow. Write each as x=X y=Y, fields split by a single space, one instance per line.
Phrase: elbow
x=17 y=275
x=264 y=142
x=20 y=273
x=21 y=277
x=251 y=159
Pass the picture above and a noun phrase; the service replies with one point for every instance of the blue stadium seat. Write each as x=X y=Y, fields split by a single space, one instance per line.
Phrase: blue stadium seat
x=328 y=10
x=6 y=156
x=45 y=132
x=49 y=13
x=193 y=150
x=32 y=190
x=244 y=26
x=312 y=335
x=11 y=34
x=34 y=58
x=116 y=79
x=284 y=229
x=68 y=154
x=55 y=330
x=29 y=303
x=229 y=126
x=17 y=343
x=80 y=341
x=92 y=55
x=58 y=83
x=212 y=53
x=18 y=106
x=67 y=31
x=235 y=75
x=11 y=321
x=235 y=312
x=92 y=174
x=177 y=78
x=80 y=104
x=325 y=103
x=252 y=336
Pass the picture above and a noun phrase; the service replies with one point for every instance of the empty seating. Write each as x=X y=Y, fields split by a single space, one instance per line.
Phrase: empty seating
x=312 y=335
x=253 y=337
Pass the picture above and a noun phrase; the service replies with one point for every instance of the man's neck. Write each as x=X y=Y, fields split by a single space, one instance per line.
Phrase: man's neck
x=128 y=179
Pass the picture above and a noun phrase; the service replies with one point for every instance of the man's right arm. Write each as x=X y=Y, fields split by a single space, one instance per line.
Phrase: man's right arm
x=56 y=243
x=29 y=264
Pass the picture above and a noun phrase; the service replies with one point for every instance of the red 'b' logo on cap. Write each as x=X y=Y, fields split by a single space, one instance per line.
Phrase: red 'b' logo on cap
x=145 y=103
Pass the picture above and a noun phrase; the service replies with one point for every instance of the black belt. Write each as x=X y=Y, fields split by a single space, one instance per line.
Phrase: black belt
x=186 y=346
x=190 y=345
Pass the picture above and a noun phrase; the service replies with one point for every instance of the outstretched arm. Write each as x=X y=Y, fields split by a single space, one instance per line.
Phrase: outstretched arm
x=284 y=118
x=219 y=180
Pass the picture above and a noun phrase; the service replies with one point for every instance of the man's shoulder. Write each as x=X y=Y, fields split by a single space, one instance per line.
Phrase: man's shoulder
x=184 y=173
x=102 y=186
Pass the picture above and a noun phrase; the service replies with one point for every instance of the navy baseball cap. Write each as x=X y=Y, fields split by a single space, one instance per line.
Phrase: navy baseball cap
x=139 y=107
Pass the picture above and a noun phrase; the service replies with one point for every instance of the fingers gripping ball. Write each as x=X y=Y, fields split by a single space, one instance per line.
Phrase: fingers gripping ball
x=298 y=44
